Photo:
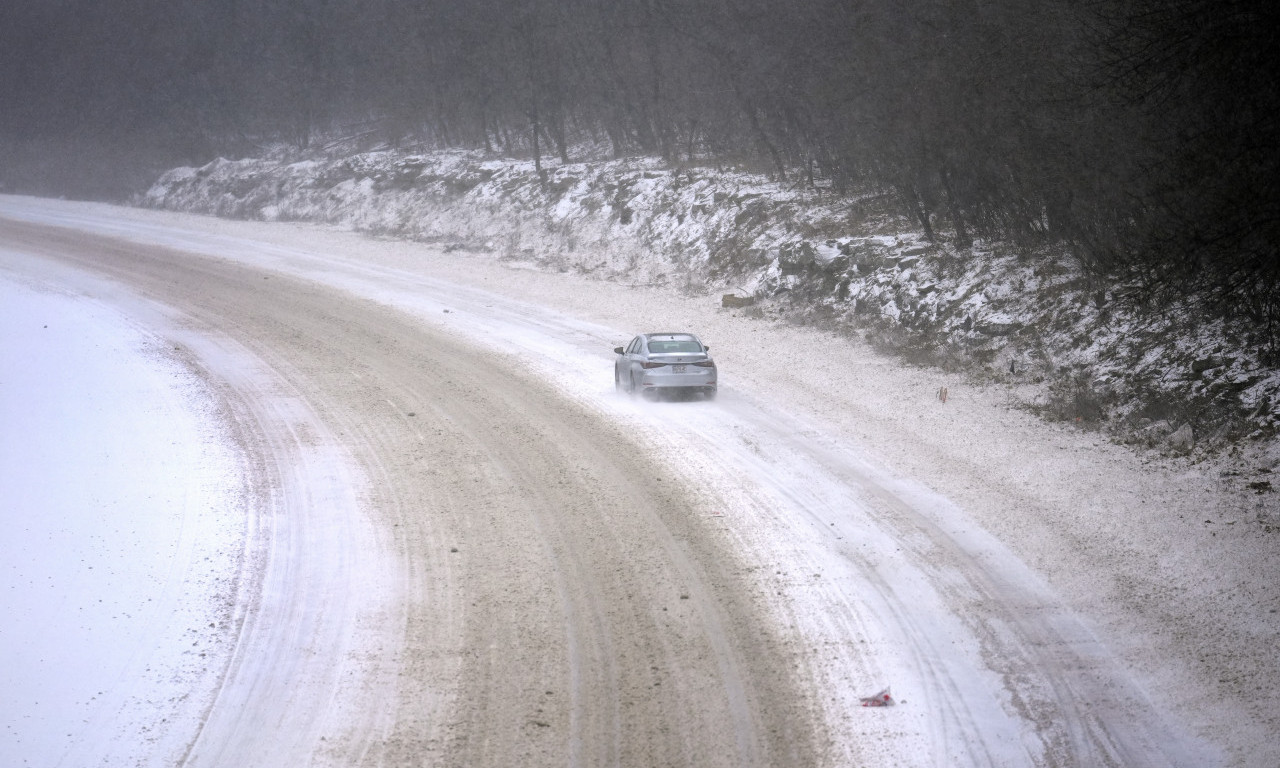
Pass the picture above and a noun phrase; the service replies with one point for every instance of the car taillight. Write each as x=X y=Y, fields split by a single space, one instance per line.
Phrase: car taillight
x=705 y=364
x=652 y=365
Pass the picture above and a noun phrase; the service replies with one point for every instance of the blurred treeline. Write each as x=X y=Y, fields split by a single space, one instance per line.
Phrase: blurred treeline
x=1141 y=133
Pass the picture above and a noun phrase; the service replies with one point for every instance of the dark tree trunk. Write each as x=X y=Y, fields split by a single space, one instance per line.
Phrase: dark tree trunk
x=963 y=240
x=537 y=148
x=911 y=196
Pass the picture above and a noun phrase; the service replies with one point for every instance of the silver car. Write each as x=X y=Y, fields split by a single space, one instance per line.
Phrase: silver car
x=658 y=363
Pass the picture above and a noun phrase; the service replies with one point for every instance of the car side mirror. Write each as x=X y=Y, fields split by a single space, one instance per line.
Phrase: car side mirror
x=706 y=348
x=617 y=350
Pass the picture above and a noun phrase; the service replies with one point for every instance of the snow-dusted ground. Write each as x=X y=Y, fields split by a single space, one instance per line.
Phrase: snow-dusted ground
x=182 y=535
x=1033 y=595
x=122 y=526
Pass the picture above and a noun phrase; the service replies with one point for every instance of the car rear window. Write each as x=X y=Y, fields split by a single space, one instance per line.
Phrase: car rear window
x=674 y=347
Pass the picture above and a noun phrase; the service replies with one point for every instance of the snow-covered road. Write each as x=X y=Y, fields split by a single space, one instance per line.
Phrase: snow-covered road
x=438 y=535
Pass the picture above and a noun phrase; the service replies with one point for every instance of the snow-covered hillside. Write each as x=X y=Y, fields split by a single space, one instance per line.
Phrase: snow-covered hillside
x=1072 y=348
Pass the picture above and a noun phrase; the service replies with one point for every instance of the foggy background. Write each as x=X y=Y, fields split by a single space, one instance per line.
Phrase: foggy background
x=1141 y=134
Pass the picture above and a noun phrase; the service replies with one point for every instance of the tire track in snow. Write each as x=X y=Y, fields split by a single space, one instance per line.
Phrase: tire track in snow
x=593 y=625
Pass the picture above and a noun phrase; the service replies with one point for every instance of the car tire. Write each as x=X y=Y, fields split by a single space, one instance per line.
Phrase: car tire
x=617 y=381
x=710 y=394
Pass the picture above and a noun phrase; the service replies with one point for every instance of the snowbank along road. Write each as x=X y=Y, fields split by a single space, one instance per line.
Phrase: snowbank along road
x=465 y=549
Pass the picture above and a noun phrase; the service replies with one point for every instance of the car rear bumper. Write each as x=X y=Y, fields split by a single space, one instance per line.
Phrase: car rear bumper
x=705 y=380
